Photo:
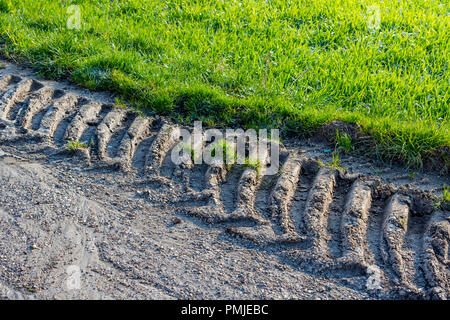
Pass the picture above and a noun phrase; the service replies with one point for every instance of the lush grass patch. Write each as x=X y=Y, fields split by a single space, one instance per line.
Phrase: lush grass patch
x=288 y=64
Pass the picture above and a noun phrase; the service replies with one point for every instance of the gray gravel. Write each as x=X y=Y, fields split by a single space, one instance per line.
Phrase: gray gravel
x=53 y=217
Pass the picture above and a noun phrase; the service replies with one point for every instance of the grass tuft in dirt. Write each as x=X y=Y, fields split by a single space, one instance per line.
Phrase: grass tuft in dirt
x=73 y=146
x=443 y=202
x=336 y=162
x=254 y=164
x=228 y=151
x=188 y=147
x=344 y=142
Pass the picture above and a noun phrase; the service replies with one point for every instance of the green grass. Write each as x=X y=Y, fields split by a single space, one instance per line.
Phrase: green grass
x=188 y=147
x=443 y=202
x=292 y=65
x=72 y=146
x=229 y=154
x=446 y=194
x=336 y=162
x=344 y=142
x=254 y=164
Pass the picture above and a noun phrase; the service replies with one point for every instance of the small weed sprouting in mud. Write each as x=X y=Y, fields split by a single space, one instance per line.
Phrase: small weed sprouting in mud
x=73 y=146
x=446 y=195
x=188 y=147
x=411 y=175
x=254 y=164
x=229 y=152
x=271 y=138
x=335 y=162
x=444 y=200
x=344 y=142
x=320 y=163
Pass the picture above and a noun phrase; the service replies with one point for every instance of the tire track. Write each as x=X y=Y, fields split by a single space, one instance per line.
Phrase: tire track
x=314 y=215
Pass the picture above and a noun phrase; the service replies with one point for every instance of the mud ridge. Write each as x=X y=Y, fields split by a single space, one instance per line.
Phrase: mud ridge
x=317 y=215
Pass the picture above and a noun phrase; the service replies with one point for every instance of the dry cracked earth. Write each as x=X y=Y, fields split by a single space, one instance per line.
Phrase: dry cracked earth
x=140 y=227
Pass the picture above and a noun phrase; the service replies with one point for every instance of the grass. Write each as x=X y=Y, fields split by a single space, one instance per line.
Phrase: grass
x=292 y=65
x=443 y=202
x=72 y=146
x=344 y=142
x=254 y=164
x=188 y=147
x=336 y=162
x=229 y=154
x=446 y=194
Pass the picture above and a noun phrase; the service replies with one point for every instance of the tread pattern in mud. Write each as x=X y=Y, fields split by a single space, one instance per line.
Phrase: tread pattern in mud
x=313 y=215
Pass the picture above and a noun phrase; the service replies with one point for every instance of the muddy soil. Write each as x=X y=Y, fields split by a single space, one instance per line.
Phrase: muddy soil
x=132 y=224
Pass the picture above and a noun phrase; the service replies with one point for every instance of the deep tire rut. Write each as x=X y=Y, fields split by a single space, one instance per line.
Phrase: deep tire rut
x=336 y=222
